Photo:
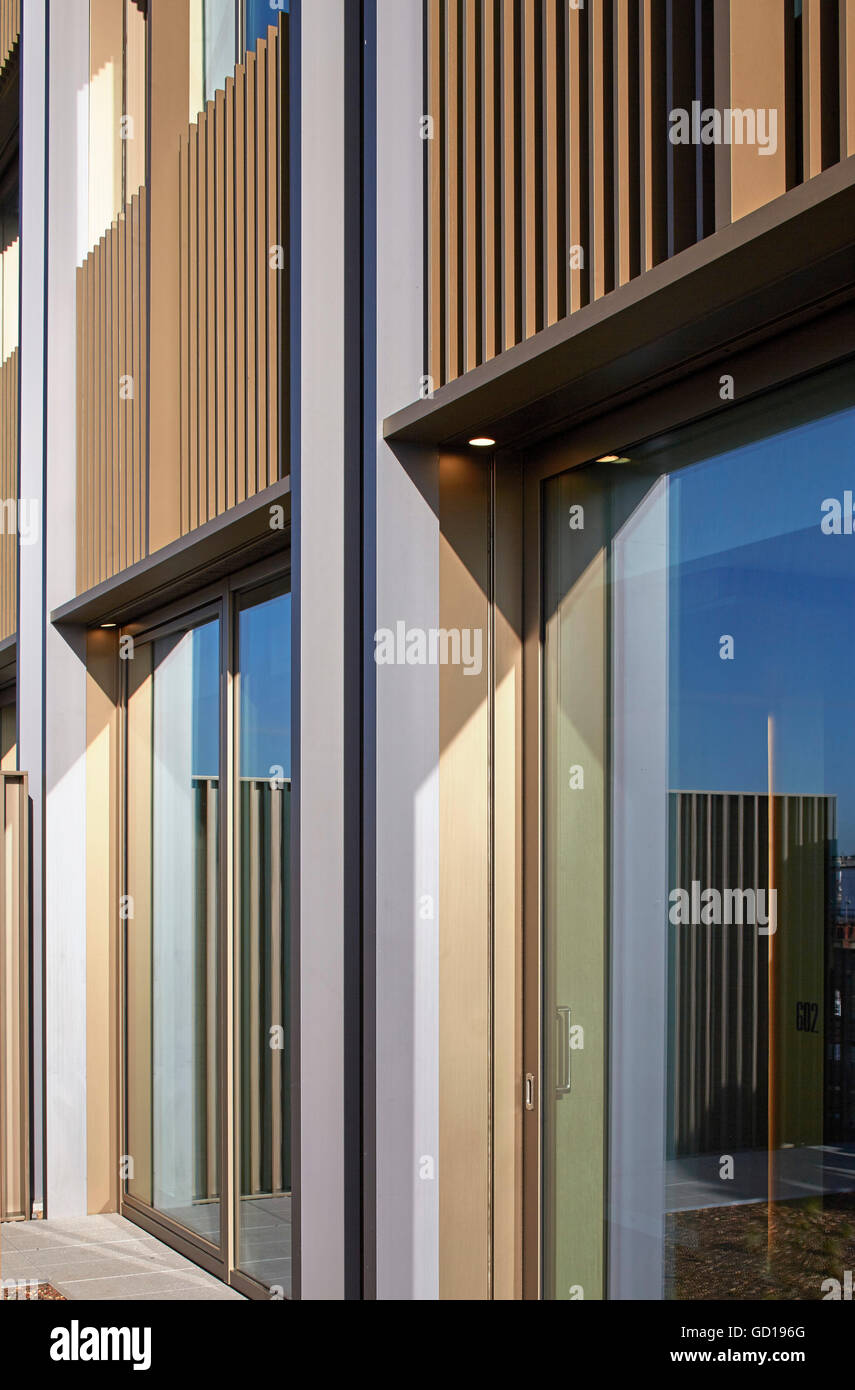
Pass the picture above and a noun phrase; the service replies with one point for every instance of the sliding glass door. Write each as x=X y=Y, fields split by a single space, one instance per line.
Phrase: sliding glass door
x=173 y=937
x=697 y=852
x=207 y=970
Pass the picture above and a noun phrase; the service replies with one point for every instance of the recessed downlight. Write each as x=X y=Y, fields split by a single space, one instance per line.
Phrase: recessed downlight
x=482 y=442
x=614 y=458
x=105 y=625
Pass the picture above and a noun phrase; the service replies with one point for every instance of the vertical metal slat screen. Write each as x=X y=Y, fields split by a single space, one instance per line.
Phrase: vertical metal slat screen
x=232 y=177
x=10 y=27
x=550 y=176
x=112 y=493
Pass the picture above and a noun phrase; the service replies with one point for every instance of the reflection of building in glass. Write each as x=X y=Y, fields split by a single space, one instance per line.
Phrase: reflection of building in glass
x=721 y=1075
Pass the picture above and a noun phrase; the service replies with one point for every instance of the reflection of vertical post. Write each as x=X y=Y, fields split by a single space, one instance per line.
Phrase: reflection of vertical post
x=770 y=1127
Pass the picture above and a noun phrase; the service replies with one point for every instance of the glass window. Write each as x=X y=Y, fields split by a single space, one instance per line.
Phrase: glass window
x=260 y=14
x=699 y=860
x=172 y=928
x=263 y=731
x=213 y=49
x=221 y=33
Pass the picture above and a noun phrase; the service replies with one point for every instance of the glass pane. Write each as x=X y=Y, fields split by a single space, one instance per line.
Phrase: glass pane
x=698 y=873
x=213 y=49
x=574 y=889
x=172 y=933
x=260 y=14
x=263 y=946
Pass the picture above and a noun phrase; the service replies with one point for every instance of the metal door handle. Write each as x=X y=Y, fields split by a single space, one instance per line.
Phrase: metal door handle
x=562 y=1014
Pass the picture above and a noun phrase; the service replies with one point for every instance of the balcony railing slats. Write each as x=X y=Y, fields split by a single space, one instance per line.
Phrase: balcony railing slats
x=230 y=401
x=233 y=186
x=10 y=27
x=111 y=387
x=550 y=146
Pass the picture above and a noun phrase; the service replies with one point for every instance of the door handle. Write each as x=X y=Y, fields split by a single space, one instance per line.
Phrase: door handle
x=562 y=1016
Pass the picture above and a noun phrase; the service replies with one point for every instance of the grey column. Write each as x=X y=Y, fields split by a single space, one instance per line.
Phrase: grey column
x=407 y=769
x=319 y=601
x=30 y=575
x=64 y=702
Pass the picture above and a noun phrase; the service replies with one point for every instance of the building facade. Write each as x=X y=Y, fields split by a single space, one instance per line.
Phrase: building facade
x=427 y=432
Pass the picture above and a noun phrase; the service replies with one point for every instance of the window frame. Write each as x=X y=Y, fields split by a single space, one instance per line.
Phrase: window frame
x=803 y=350
x=222 y=600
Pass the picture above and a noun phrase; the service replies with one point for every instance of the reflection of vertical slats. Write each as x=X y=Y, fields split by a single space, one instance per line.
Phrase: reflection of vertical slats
x=262 y=988
x=283 y=453
x=254 y=993
x=275 y=944
x=719 y=1051
x=211 y=998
